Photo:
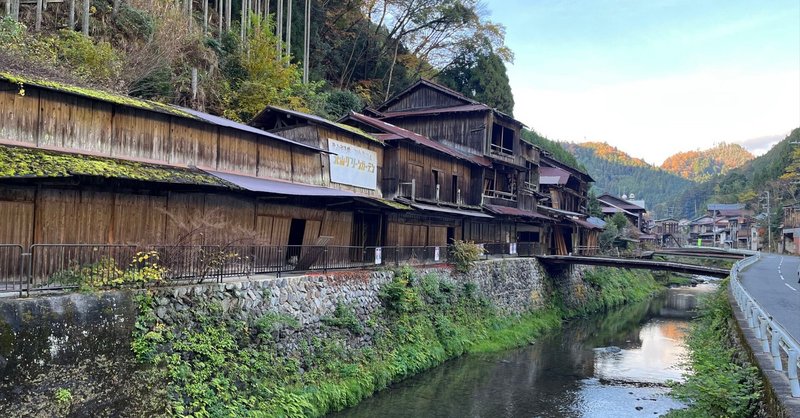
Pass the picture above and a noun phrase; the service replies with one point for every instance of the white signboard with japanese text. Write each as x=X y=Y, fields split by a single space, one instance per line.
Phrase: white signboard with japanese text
x=378 y=258
x=436 y=254
x=353 y=165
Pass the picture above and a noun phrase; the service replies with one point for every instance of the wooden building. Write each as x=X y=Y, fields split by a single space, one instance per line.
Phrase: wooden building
x=86 y=166
x=564 y=191
x=611 y=205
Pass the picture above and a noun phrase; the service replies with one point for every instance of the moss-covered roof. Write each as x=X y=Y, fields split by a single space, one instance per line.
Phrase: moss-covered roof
x=357 y=131
x=20 y=162
x=115 y=98
x=393 y=204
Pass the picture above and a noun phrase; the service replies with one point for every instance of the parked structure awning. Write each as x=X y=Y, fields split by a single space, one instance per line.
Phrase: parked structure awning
x=262 y=185
x=509 y=211
x=449 y=210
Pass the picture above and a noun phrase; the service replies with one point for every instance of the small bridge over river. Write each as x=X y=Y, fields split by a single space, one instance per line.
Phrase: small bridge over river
x=634 y=264
x=704 y=252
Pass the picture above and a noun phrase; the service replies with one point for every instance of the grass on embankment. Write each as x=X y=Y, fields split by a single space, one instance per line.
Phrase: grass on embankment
x=722 y=383
x=219 y=366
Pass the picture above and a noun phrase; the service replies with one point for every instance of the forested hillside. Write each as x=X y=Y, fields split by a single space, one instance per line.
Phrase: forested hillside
x=234 y=57
x=776 y=172
x=702 y=165
x=616 y=172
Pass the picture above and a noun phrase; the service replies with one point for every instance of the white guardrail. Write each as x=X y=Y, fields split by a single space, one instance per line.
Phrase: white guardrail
x=774 y=339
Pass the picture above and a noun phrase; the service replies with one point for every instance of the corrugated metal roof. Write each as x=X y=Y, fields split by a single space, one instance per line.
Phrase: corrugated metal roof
x=257 y=184
x=438 y=110
x=505 y=210
x=320 y=120
x=451 y=211
x=585 y=224
x=397 y=132
x=725 y=206
x=227 y=123
x=620 y=203
x=597 y=221
x=560 y=211
x=553 y=175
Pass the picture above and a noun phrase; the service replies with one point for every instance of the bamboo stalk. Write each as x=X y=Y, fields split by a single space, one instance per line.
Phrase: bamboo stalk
x=38 y=15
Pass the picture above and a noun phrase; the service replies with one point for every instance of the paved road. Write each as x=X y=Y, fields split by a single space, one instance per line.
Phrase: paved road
x=772 y=282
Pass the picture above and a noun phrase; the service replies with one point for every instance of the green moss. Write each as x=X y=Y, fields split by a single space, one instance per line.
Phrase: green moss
x=357 y=131
x=30 y=162
x=392 y=204
x=97 y=94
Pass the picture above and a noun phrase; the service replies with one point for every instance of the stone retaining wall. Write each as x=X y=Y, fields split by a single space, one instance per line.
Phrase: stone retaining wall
x=81 y=342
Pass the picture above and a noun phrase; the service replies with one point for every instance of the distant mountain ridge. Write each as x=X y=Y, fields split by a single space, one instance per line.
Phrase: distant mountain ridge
x=615 y=172
x=702 y=165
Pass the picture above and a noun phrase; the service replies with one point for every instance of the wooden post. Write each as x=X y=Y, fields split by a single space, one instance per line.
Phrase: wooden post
x=71 y=14
x=85 y=27
x=115 y=8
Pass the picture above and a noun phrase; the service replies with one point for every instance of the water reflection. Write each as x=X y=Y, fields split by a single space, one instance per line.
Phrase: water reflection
x=614 y=364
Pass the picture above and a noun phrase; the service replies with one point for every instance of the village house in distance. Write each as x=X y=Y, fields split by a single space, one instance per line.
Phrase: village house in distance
x=427 y=167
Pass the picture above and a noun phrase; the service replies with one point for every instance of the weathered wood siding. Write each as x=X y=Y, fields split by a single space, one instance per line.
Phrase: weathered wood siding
x=407 y=162
x=424 y=98
x=67 y=122
x=318 y=135
x=71 y=215
x=463 y=131
x=420 y=230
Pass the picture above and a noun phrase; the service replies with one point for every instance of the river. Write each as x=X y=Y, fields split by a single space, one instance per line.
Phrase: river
x=613 y=364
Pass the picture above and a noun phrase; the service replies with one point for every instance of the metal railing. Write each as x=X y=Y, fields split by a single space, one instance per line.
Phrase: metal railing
x=12 y=276
x=774 y=339
x=62 y=266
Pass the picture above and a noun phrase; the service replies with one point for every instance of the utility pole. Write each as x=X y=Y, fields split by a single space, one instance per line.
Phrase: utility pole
x=769 y=220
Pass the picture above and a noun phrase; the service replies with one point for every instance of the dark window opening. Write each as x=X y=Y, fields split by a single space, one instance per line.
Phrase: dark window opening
x=435 y=184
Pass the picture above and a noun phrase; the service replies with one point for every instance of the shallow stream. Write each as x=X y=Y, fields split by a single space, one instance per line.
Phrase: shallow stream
x=613 y=364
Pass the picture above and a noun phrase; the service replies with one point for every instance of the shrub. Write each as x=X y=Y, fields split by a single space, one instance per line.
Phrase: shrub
x=344 y=317
x=88 y=60
x=398 y=296
x=465 y=254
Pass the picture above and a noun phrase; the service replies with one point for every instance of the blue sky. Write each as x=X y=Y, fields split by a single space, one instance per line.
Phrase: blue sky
x=654 y=77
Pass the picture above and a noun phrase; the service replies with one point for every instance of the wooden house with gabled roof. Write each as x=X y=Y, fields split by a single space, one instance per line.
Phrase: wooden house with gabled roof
x=440 y=183
x=470 y=127
x=564 y=191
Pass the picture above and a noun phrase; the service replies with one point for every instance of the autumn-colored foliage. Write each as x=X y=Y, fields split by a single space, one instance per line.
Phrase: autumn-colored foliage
x=702 y=165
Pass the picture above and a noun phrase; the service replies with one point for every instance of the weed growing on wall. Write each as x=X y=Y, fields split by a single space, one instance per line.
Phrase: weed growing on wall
x=464 y=254
x=217 y=365
x=721 y=382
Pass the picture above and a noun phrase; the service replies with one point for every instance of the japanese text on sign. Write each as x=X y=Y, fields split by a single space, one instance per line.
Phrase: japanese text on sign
x=353 y=165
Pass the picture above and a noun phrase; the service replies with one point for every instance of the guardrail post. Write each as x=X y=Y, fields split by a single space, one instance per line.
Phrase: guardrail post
x=763 y=333
x=792 y=371
x=776 y=350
